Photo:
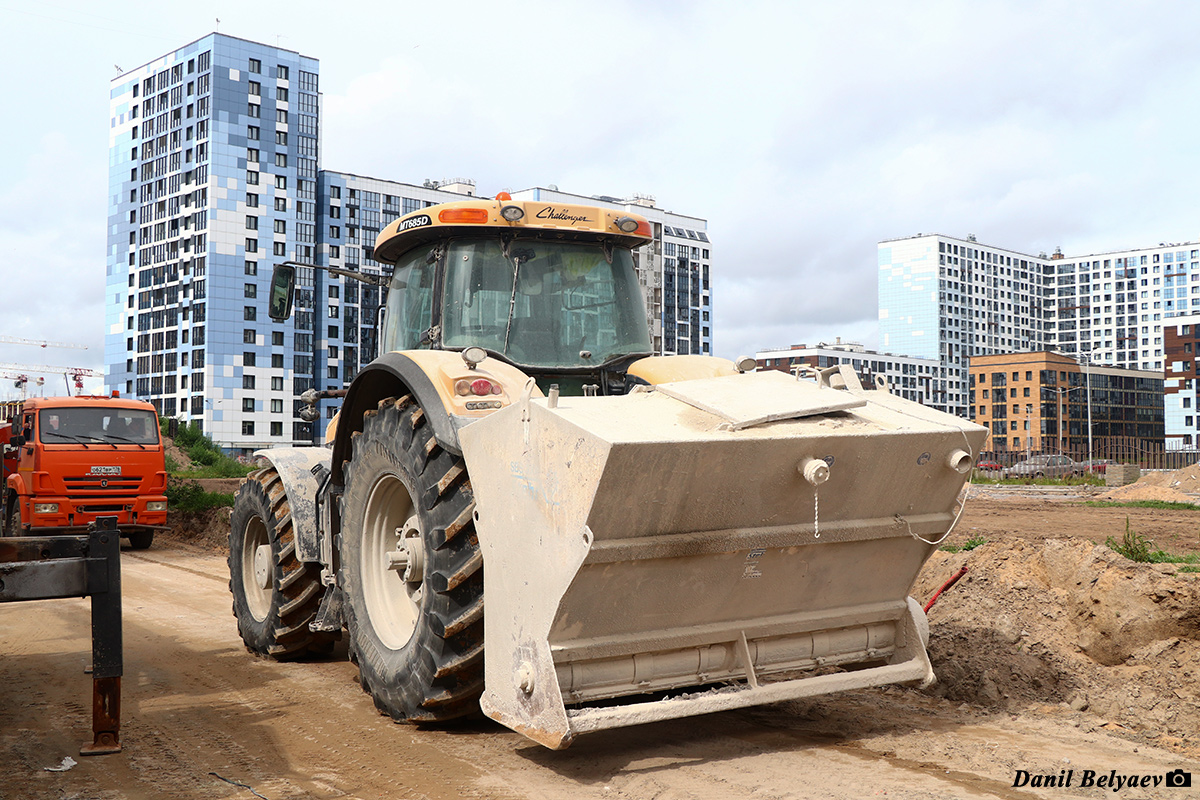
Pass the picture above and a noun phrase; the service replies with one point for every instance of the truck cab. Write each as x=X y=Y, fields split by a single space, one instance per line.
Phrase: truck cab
x=69 y=460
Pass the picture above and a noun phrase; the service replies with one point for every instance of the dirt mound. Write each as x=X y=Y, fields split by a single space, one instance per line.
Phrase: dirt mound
x=1067 y=621
x=209 y=529
x=1161 y=485
x=1147 y=491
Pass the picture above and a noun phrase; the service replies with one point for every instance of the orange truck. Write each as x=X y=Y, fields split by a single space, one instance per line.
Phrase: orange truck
x=69 y=460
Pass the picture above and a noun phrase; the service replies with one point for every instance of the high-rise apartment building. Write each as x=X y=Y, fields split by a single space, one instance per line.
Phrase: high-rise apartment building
x=214 y=177
x=953 y=299
x=213 y=161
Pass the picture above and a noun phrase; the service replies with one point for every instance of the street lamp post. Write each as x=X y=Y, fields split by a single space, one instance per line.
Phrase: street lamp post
x=1061 y=394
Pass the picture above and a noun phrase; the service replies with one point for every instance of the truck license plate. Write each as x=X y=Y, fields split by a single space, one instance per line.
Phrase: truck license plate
x=106 y=470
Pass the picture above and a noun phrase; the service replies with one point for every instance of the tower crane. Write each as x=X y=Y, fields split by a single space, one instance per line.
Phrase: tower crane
x=20 y=373
x=41 y=343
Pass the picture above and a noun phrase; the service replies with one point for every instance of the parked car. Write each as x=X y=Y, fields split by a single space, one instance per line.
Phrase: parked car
x=1044 y=467
x=1098 y=466
x=989 y=465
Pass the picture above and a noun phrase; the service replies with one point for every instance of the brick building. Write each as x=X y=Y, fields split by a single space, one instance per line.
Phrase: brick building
x=1038 y=402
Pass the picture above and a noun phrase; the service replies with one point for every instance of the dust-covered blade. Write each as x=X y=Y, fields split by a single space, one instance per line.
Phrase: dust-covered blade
x=639 y=544
x=757 y=397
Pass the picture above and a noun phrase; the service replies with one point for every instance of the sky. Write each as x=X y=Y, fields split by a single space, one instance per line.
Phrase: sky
x=803 y=132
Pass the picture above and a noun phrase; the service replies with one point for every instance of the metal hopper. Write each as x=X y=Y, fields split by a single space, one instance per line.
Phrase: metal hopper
x=754 y=536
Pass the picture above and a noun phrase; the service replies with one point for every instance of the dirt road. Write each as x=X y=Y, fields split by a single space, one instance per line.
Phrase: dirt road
x=199 y=711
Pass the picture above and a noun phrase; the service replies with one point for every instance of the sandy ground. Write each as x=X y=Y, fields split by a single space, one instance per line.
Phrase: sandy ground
x=1054 y=655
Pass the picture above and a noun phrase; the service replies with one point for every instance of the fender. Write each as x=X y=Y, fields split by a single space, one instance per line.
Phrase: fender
x=295 y=466
x=429 y=375
x=16 y=484
x=669 y=369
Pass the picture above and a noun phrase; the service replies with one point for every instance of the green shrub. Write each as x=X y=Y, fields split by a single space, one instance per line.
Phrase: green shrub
x=1138 y=548
x=208 y=460
x=190 y=497
x=967 y=546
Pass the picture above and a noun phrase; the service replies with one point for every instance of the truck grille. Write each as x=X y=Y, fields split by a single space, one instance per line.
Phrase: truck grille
x=102 y=485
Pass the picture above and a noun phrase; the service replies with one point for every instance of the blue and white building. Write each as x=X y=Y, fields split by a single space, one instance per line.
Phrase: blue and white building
x=215 y=176
x=213 y=161
x=949 y=298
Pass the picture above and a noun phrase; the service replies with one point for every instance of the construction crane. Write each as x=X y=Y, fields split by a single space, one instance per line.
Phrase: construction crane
x=20 y=374
x=41 y=343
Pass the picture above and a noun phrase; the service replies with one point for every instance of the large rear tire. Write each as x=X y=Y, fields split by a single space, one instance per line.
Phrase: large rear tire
x=411 y=569
x=275 y=595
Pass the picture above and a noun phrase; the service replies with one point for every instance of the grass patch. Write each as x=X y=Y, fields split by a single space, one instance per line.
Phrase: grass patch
x=1166 y=505
x=1190 y=568
x=190 y=497
x=965 y=547
x=1138 y=548
x=208 y=461
x=1067 y=480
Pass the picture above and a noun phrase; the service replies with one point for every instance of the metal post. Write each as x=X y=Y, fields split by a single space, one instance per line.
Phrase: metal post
x=104 y=586
x=1088 y=370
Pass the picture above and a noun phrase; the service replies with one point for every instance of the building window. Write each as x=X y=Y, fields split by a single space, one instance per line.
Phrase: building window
x=277 y=406
x=255 y=66
x=280 y=226
x=247 y=381
x=252 y=178
x=247 y=404
x=251 y=268
x=252 y=132
x=251 y=200
x=250 y=290
x=281 y=160
x=252 y=245
x=281 y=94
x=248 y=336
x=281 y=116
x=249 y=313
x=247 y=428
x=277 y=338
x=281 y=72
x=281 y=137
x=280 y=248
x=277 y=429
x=248 y=360
x=333 y=312
x=280 y=181
x=255 y=88
x=281 y=204
x=254 y=111
x=333 y=371
x=251 y=223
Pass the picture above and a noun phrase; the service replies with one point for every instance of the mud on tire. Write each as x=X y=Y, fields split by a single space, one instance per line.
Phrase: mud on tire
x=273 y=618
x=418 y=642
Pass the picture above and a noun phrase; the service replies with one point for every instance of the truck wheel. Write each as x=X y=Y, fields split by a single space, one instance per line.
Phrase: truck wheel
x=411 y=569
x=275 y=595
x=12 y=519
x=140 y=540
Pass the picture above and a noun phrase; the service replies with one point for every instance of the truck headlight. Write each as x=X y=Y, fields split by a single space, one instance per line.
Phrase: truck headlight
x=156 y=505
x=45 y=508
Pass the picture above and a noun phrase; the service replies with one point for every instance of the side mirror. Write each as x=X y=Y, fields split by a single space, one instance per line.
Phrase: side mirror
x=16 y=441
x=283 y=289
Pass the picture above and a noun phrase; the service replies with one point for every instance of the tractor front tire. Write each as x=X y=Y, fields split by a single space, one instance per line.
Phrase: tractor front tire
x=275 y=595
x=411 y=569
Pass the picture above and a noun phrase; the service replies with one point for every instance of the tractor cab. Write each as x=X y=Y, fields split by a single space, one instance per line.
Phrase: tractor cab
x=547 y=288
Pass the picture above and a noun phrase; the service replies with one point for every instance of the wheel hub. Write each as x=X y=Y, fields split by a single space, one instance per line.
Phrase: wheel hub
x=262 y=566
x=409 y=556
